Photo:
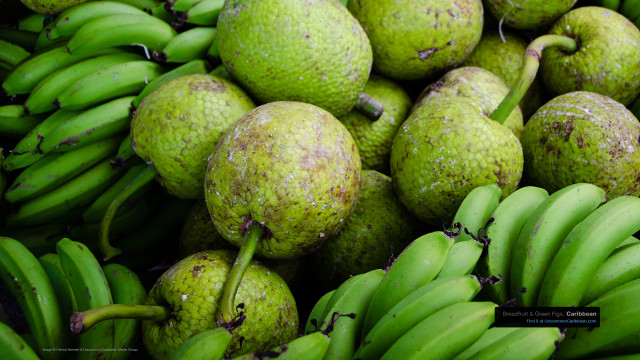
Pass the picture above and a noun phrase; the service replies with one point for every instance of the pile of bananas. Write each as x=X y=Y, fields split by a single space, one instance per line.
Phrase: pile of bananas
x=51 y=287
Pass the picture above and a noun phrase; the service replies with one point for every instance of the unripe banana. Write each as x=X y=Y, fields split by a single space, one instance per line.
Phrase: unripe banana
x=535 y=343
x=189 y=45
x=13 y=346
x=22 y=38
x=311 y=346
x=204 y=13
x=15 y=124
x=317 y=313
x=13 y=54
x=210 y=344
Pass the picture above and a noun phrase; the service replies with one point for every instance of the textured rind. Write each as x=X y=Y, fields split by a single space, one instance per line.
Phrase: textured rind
x=419 y=39
x=291 y=166
x=51 y=6
x=476 y=83
x=193 y=287
x=374 y=138
x=445 y=149
x=606 y=61
x=527 y=14
x=177 y=126
x=198 y=232
x=378 y=221
x=583 y=137
x=308 y=51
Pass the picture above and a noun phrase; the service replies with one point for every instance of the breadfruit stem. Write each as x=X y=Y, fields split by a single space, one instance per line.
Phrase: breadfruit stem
x=147 y=175
x=531 y=63
x=369 y=107
x=83 y=321
x=251 y=239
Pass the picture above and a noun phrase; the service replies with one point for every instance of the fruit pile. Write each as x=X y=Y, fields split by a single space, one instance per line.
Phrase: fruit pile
x=318 y=179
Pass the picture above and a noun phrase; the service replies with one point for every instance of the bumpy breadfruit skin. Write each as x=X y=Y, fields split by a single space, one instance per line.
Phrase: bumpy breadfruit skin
x=193 y=288
x=446 y=148
x=583 y=137
x=177 y=126
x=309 y=51
x=291 y=166
x=51 y=6
x=528 y=14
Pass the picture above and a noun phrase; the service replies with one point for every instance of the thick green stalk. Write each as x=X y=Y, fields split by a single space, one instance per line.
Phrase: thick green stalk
x=83 y=321
x=531 y=62
x=251 y=239
x=368 y=106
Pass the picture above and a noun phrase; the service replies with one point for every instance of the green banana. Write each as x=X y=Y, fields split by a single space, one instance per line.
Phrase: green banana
x=162 y=13
x=33 y=22
x=317 y=313
x=203 y=13
x=91 y=290
x=180 y=5
x=508 y=219
x=629 y=240
x=15 y=124
x=66 y=299
x=489 y=337
x=622 y=266
x=311 y=346
x=418 y=305
x=43 y=41
x=57 y=168
x=473 y=214
x=22 y=38
x=619 y=319
x=119 y=30
x=444 y=334
x=198 y=66
x=13 y=54
x=189 y=45
x=92 y=125
x=29 y=284
x=141 y=4
x=43 y=96
x=626 y=345
x=211 y=344
x=416 y=265
x=13 y=346
x=27 y=151
x=125 y=156
x=353 y=303
x=536 y=343
x=24 y=77
x=73 y=194
x=126 y=288
x=543 y=234
x=112 y=82
x=586 y=248
x=96 y=211
x=72 y=19
x=630 y=9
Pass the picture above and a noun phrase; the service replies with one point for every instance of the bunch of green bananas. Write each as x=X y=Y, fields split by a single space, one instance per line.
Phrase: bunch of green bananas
x=629 y=8
x=49 y=288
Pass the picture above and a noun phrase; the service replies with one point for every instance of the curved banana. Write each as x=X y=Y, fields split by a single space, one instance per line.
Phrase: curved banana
x=22 y=38
x=317 y=313
x=142 y=4
x=346 y=332
x=13 y=54
x=543 y=234
x=125 y=156
x=33 y=22
x=97 y=123
x=120 y=30
x=29 y=284
x=70 y=20
x=473 y=214
x=57 y=168
x=27 y=150
x=211 y=344
x=311 y=346
x=15 y=124
x=13 y=346
x=191 y=44
x=619 y=319
x=408 y=312
x=115 y=81
x=444 y=334
x=508 y=219
x=198 y=66
x=629 y=240
x=42 y=98
x=126 y=288
x=586 y=248
x=24 y=77
x=416 y=265
x=489 y=337
x=630 y=9
x=622 y=266
x=91 y=289
x=626 y=345
x=535 y=343
x=204 y=13
x=180 y=5
x=73 y=194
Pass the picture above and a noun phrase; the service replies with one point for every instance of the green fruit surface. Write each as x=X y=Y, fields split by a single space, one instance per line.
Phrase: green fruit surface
x=193 y=287
x=418 y=39
x=583 y=137
x=528 y=14
x=177 y=126
x=446 y=148
x=291 y=166
x=307 y=51
x=374 y=138
x=476 y=83
x=51 y=6
x=378 y=222
x=606 y=62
